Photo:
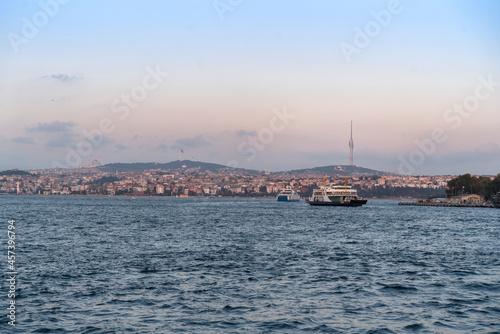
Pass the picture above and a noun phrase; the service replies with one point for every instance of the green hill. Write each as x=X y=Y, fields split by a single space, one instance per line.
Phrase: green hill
x=337 y=170
x=14 y=172
x=193 y=166
x=173 y=166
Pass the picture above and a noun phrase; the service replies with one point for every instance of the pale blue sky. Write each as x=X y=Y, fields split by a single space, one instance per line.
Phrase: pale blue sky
x=227 y=75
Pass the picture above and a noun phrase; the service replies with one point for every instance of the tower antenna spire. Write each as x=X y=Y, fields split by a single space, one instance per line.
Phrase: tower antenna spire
x=351 y=148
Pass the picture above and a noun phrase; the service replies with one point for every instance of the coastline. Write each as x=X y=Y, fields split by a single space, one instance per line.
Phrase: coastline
x=194 y=197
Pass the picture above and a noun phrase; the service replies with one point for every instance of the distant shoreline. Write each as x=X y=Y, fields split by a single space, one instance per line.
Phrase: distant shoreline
x=193 y=197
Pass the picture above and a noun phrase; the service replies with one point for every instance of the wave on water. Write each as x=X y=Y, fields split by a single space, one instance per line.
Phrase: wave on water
x=157 y=265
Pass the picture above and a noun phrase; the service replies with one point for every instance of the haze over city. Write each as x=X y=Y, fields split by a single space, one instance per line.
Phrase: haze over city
x=257 y=84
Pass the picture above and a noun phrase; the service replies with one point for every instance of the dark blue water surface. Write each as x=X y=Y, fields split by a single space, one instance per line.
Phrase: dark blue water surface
x=156 y=265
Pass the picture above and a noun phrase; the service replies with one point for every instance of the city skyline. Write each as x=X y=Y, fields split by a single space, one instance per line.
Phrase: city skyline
x=259 y=85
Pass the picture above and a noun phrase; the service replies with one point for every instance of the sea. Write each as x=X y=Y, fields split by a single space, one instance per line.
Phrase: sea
x=172 y=265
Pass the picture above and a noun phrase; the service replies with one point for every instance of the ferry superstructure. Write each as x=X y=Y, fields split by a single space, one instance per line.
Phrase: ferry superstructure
x=336 y=196
x=288 y=195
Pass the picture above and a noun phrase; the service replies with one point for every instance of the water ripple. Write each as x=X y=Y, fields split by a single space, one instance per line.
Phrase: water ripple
x=153 y=265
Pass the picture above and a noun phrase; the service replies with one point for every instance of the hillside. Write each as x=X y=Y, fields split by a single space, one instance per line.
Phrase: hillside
x=337 y=170
x=188 y=165
x=14 y=172
x=198 y=166
x=173 y=166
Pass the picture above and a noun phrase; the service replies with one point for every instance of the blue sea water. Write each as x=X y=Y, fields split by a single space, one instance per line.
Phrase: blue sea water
x=159 y=265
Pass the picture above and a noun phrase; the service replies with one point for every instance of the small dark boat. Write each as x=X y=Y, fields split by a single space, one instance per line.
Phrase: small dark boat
x=496 y=201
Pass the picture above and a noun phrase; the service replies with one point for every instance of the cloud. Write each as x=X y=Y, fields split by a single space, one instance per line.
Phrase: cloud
x=193 y=142
x=325 y=157
x=487 y=150
x=162 y=147
x=121 y=147
x=484 y=159
x=482 y=153
x=55 y=126
x=244 y=133
x=23 y=140
x=106 y=141
x=63 y=77
x=72 y=139
x=61 y=140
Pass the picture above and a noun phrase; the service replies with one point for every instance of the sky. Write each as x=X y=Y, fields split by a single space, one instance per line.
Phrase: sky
x=261 y=84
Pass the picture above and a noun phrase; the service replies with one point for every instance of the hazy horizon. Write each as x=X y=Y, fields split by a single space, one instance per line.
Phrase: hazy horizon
x=254 y=84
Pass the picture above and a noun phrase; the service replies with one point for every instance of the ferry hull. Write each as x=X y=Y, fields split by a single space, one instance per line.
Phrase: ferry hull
x=287 y=199
x=358 y=202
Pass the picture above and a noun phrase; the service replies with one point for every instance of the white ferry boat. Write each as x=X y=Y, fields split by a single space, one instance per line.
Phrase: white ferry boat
x=288 y=195
x=336 y=196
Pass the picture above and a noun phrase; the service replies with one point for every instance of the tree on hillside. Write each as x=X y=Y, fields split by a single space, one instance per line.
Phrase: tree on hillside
x=493 y=187
x=468 y=184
